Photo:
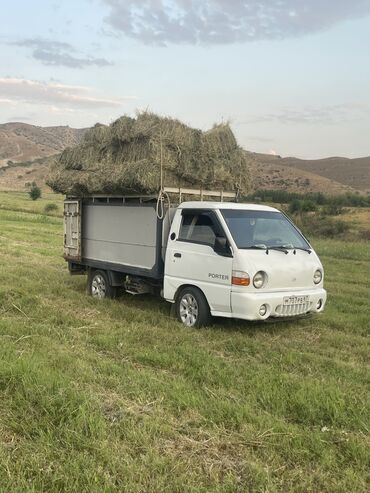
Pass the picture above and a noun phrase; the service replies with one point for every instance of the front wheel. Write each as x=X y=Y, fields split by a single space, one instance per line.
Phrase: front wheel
x=99 y=287
x=192 y=308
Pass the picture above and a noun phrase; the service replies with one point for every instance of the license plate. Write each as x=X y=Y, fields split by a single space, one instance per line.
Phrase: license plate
x=295 y=300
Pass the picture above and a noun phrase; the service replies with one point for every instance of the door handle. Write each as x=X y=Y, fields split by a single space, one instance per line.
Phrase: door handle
x=177 y=255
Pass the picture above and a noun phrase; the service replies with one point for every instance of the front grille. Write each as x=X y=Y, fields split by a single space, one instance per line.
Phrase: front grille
x=291 y=310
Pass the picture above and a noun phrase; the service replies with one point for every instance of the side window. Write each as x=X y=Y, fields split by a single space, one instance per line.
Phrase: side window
x=198 y=228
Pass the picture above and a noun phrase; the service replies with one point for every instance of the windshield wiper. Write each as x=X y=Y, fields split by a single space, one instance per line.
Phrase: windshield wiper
x=291 y=247
x=279 y=249
x=304 y=249
x=262 y=246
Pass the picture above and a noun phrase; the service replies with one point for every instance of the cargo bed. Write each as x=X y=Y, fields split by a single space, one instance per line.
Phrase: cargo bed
x=114 y=233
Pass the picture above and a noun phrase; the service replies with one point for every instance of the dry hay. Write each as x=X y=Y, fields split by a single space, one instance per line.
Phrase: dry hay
x=126 y=156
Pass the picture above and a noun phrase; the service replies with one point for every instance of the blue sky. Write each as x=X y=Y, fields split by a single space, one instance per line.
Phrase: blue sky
x=292 y=76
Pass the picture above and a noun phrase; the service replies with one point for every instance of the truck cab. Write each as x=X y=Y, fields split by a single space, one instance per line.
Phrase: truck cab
x=240 y=261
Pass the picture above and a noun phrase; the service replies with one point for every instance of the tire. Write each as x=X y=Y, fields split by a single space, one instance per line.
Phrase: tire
x=99 y=287
x=192 y=308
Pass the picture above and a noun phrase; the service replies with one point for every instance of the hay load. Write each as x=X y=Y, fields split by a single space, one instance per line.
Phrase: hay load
x=126 y=156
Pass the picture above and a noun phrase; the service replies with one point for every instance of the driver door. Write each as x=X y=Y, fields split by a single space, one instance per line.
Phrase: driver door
x=191 y=259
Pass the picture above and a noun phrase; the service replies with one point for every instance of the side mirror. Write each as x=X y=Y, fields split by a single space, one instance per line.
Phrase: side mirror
x=221 y=247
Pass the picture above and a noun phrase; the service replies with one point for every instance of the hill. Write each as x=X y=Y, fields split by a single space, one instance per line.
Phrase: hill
x=19 y=176
x=27 y=150
x=352 y=172
x=331 y=175
x=20 y=142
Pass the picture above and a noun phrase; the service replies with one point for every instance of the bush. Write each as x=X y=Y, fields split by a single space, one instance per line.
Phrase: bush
x=365 y=235
x=50 y=207
x=330 y=228
x=306 y=205
x=295 y=206
x=332 y=209
x=321 y=226
x=285 y=197
x=35 y=192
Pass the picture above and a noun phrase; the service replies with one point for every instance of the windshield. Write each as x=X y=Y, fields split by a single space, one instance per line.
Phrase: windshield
x=262 y=229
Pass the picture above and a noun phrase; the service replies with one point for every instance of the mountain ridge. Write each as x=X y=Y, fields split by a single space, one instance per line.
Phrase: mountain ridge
x=349 y=172
x=27 y=150
x=23 y=142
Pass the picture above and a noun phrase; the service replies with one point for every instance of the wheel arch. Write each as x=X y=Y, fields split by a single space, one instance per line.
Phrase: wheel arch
x=116 y=279
x=202 y=315
x=188 y=285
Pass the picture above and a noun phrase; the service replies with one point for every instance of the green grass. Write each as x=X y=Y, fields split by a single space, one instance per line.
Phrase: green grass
x=20 y=201
x=118 y=396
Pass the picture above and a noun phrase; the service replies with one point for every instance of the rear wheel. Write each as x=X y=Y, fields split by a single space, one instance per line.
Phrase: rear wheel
x=99 y=287
x=192 y=308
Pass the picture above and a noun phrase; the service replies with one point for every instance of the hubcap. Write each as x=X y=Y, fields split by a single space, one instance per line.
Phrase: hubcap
x=188 y=310
x=98 y=287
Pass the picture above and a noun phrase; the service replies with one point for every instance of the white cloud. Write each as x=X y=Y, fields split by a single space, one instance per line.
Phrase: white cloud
x=309 y=115
x=57 y=53
x=6 y=101
x=227 y=21
x=54 y=94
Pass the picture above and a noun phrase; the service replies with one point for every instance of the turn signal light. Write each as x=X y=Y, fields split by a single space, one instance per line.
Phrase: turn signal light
x=240 y=278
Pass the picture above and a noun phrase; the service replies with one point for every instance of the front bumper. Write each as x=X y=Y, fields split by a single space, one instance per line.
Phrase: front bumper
x=247 y=305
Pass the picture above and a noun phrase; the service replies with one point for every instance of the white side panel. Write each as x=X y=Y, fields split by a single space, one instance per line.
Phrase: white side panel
x=120 y=234
x=197 y=265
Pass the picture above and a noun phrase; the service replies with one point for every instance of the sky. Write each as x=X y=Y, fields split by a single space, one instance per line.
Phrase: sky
x=291 y=76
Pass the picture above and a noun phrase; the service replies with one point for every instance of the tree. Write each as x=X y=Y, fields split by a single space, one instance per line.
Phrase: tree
x=308 y=205
x=295 y=206
x=35 y=192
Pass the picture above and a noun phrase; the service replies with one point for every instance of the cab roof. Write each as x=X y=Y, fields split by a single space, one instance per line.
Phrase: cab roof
x=226 y=205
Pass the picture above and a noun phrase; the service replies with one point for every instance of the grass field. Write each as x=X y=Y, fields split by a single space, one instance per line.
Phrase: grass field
x=358 y=218
x=118 y=396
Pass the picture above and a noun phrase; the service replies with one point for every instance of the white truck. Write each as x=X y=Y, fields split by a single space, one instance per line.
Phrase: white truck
x=223 y=259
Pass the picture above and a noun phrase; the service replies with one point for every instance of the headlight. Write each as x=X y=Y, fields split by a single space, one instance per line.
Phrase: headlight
x=317 y=277
x=259 y=279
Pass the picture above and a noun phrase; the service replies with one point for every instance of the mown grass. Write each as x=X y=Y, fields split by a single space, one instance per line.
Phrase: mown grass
x=117 y=396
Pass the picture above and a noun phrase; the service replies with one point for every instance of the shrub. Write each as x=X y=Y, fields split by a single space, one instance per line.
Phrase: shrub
x=321 y=226
x=50 y=207
x=285 y=197
x=295 y=206
x=365 y=235
x=330 y=228
x=332 y=209
x=306 y=205
x=35 y=192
